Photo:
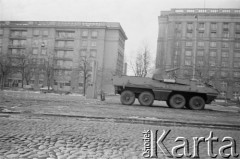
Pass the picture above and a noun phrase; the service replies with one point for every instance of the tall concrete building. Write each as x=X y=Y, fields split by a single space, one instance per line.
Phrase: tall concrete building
x=65 y=46
x=204 y=44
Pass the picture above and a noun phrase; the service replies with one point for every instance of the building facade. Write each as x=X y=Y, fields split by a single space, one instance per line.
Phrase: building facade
x=65 y=46
x=204 y=44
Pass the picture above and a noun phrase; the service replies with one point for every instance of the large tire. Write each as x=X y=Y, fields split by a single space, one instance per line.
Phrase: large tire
x=146 y=98
x=196 y=103
x=127 y=97
x=177 y=101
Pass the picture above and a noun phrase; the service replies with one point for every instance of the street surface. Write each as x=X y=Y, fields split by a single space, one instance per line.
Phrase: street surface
x=50 y=126
x=24 y=137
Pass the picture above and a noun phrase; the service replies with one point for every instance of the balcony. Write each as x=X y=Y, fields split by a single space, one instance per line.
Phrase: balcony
x=65 y=38
x=18 y=37
x=63 y=48
x=17 y=46
x=63 y=58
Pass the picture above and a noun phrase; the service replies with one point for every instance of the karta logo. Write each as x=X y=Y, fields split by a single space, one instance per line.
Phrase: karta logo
x=154 y=146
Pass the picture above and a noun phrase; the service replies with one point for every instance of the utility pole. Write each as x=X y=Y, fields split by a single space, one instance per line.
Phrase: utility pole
x=195 y=48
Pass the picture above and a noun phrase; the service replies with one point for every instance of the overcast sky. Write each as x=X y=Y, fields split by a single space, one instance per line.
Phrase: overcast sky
x=139 y=18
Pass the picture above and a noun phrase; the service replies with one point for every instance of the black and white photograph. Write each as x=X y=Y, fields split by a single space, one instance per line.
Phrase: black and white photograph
x=119 y=79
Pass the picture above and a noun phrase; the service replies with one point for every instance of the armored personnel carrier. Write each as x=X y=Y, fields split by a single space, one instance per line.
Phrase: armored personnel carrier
x=178 y=93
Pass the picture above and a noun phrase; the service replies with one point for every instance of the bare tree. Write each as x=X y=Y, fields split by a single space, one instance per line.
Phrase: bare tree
x=49 y=71
x=5 y=69
x=85 y=69
x=28 y=74
x=24 y=66
x=141 y=65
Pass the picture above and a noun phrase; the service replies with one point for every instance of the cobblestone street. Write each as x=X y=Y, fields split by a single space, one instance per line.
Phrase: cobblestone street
x=51 y=126
x=24 y=137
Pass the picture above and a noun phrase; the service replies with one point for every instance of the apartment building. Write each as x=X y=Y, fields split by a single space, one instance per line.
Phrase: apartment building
x=204 y=44
x=65 y=46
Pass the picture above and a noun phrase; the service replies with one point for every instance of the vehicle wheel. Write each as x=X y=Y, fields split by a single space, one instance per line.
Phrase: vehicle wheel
x=177 y=101
x=196 y=103
x=146 y=98
x=127 y=97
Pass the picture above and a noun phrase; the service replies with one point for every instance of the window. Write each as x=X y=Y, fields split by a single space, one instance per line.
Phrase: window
x=224 y=64
x=237 y=27
x=60 y=53
x=200 y=44
x=213 y=44
x=93 y=53
x=94 y=34
x=237 y=45
x=213 y=26
x=212 y=63
x=44 y=51
x=201 y=34
x=14 y=51
x=235 y=95
x=224 y=74
x=188 y=53
x=36 y=32
x=178 y=34
x=178 y=26
x=83 y=52
x=69 y=44
x=200 y=62
x=189 y=44
x=236 y=64
x=226 y=34
x=213 y=35
x=68 y=54
x=1 y=31
x=177 y=44
x=225 y=45
x=237 y=54
x=189 y=34
x=225 y=54
x=68 y=83
x=213 y=53
x=188 y=61
x=237 y=35
x=189 y=26
x=211 y=73
x=85 y=34
x=45 y=32
x=200 y=53
x=35 y=51
x=201 y=25
x=84 y=43
x=41 y=61
x=225 y=25
x=93 y=43
x=236 y=74
x=1 y=42
x=44 y=42
x=60 y=43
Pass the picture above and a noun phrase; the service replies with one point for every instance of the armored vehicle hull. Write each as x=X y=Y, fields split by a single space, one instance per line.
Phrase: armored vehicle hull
x=177 y=93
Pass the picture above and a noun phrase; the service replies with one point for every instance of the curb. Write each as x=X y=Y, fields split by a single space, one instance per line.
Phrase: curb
x=135 y=120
